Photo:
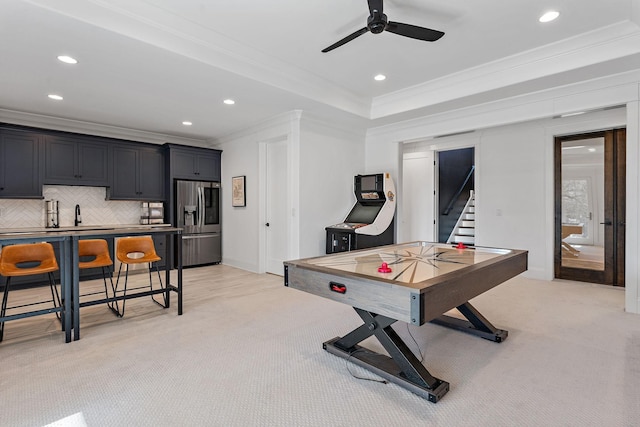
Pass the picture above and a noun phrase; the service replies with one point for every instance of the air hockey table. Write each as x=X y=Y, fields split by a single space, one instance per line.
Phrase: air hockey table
x=416 y=283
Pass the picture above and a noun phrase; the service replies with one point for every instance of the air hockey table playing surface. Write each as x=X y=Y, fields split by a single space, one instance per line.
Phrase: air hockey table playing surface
x=425 y=281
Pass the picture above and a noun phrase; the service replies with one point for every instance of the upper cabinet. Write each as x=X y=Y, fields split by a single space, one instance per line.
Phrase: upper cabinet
x=194 y=163
x=32 y=157
x=71 y=160
x=138 y=173
x=20 y=157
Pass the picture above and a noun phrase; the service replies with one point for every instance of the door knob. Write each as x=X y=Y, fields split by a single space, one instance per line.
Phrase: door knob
x=606 y=222
x=267 y=224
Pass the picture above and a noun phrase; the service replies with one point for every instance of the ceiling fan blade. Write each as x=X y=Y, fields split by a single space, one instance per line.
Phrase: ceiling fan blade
x=375 y=5
x=346 y=39
x=413 y=31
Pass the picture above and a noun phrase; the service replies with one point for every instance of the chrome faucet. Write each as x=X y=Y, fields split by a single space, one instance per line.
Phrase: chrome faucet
x=78 y=219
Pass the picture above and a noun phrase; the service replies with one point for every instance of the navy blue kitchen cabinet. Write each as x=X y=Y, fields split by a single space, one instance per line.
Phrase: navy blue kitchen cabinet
x=76 y=160
x=33 y=157
x=20 y=160
x=198 y=164
x=138 y=173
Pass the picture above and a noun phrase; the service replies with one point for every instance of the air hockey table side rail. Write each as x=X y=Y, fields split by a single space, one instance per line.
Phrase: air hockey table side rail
x=415 y=303
x=462 y=285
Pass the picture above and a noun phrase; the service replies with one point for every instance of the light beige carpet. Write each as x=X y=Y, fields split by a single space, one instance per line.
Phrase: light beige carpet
x=248 y=352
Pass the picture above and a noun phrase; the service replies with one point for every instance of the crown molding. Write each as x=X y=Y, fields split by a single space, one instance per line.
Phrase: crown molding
x=282 y=124
x=600 y=45
x=311 y=121
x=76 y=126
x=587 y=95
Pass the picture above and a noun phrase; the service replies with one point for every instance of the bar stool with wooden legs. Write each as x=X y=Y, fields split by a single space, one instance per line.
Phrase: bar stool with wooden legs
x=17 y=260
x=94 y=253
x=137 y=250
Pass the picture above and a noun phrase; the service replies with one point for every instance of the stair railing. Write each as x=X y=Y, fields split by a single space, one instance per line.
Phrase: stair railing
x=457 y=194
x=460 y=218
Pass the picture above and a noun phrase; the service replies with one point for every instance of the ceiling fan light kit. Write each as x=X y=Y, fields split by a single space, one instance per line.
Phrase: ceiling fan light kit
x=377 y=22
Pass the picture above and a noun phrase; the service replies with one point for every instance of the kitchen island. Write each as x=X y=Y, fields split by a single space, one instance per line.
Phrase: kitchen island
x=68 y=238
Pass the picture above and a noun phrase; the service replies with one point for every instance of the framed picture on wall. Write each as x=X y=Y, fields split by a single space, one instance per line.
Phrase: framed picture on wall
x=238 y=196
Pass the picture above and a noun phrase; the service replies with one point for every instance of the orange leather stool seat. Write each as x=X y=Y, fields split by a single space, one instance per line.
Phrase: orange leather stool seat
x=97 y=248
x=18 y=260
x=14 y=255
x=129 y=247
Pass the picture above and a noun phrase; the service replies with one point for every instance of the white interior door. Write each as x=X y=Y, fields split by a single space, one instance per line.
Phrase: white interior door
x=418 y=197
x=276 y=218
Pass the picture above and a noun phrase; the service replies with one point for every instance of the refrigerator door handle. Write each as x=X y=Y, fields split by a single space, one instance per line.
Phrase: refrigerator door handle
x=202 y=207
x=198 y=206
x=200 y=236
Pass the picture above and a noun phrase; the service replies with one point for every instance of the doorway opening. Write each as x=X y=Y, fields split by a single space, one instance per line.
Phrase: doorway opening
x=590 y=173
x=456 y=171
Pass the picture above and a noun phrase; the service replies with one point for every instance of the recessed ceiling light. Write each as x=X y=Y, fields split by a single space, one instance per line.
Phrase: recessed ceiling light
x=229 y=101
x=380 y=77
x=592 y=150
x=67 y=59
x=187 y=123
x=56 y=97
x=549 y=16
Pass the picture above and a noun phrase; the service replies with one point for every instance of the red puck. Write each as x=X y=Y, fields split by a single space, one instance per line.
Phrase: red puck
x=384 y=268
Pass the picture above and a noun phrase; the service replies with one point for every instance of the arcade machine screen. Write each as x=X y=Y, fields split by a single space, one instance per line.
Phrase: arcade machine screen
x=363 y=214
x=368 y=183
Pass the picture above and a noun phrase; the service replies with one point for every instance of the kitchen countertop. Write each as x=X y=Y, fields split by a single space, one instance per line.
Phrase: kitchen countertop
x=69 y=238
x=35 y=230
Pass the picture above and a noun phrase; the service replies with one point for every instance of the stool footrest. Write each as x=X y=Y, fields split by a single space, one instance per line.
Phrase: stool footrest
x=31 y=313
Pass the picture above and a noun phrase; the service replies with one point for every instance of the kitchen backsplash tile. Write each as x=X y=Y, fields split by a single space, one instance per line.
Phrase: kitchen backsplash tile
x=95 y=210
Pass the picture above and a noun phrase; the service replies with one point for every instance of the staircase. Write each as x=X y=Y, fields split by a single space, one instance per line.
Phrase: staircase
x=465 y=229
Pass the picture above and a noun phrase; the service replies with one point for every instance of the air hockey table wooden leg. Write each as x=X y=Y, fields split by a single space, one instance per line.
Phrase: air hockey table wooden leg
x=402 y=368
x=476 y=324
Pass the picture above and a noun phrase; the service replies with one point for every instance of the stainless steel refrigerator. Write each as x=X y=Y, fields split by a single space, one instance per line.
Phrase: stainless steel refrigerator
x=198 y=214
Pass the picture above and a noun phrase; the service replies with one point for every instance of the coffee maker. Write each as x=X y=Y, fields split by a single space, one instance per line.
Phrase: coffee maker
x=52 y=214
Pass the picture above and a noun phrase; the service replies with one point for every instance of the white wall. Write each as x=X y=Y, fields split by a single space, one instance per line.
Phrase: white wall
x=514 y=183
x=514 y=160
x=329 y=159
x=632 y=239
x=242 y=226
x=510 y=191
x=322 y=163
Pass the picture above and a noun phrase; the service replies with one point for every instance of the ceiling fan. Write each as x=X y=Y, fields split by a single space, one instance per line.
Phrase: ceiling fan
x=377 y=22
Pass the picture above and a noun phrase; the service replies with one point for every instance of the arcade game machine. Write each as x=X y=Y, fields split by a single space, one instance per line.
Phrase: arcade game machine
x=370 y=222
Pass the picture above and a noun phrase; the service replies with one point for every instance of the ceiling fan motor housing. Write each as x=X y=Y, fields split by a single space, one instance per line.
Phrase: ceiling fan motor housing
x=377 y=22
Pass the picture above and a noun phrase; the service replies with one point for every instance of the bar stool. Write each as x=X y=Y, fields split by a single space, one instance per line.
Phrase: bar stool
x=94 y=253
x=17 y=260
x=137 y=250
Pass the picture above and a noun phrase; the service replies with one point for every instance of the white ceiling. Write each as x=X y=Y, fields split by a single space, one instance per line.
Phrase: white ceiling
x=150 y=64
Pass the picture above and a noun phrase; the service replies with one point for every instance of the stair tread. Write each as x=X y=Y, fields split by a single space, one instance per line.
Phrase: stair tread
x=466 y=232
x=464 y=239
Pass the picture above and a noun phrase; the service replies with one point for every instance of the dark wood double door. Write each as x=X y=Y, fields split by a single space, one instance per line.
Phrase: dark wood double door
x=590 y=193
